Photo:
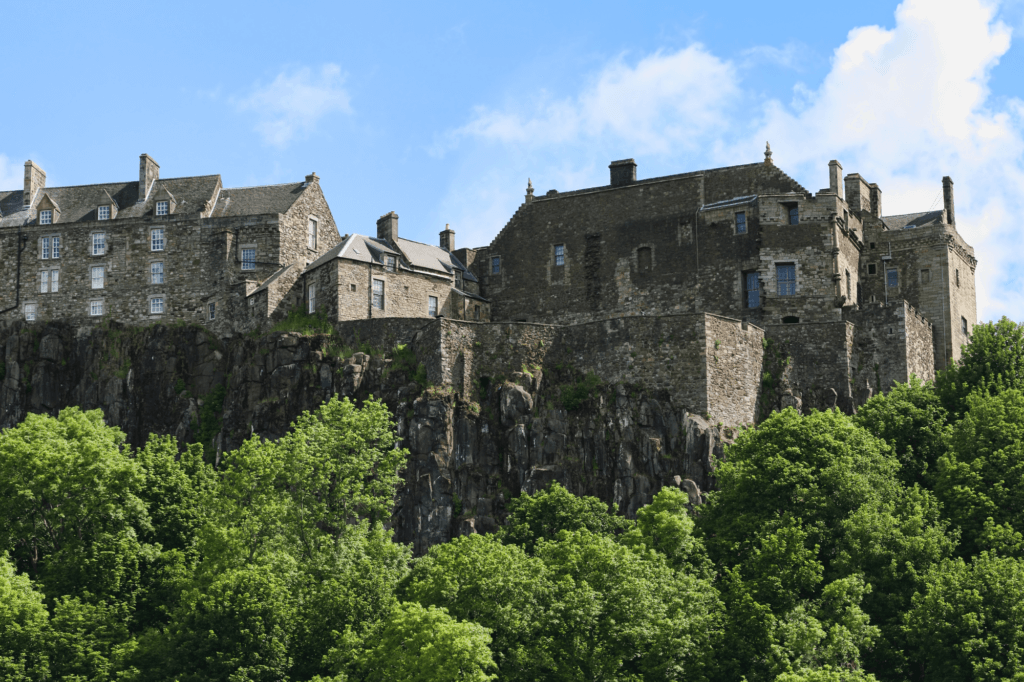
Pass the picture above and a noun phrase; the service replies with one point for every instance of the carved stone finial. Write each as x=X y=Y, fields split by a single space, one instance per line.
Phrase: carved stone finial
x=529 y=190
x=768 y=154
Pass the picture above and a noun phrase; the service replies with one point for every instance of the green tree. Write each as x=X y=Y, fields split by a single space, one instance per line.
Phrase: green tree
x=418 y=644
x=88 y=640
x=981 y=480
x=665 y=527
x=992 y=362
x=968 y=623
x=911 y=418
x=827 y=674
x=477 y=578
x=545 y=513
x=24 y=628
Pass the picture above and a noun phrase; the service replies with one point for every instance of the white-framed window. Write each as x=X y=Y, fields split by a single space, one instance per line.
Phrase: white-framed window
x=213 y=310
x=156 y=305
x=156 y=239
x=46 y=217
x=741 y=223
x=495 y=265
x=311 y=237
x=559 y=254
x=55 y=246
x=97 y=276
x=432 y=306
x=312 y=298
x=54 y=281
x=44 y=282
x=99 y=243
x=156 y=272
x=95 y=308
x=389 y=263
x=163 y=207
x=249 y=259
x=785 y=274
x=378 y=294
x=30 y=312
x=44 y=248
x=103 y=213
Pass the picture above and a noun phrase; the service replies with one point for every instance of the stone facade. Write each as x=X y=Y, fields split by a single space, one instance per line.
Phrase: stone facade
x=159 y=250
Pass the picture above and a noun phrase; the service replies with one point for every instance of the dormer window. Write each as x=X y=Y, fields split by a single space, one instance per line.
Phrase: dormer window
x=46 y=217
x=389 y=263
x=163 y=207
x=103 y=213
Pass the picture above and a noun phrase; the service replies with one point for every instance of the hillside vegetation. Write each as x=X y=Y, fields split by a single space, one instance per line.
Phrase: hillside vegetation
x=884 y=546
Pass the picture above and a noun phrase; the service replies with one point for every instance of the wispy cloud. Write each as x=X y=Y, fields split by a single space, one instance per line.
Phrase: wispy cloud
x=295 y=101
x=12 y=174
x=903 y=106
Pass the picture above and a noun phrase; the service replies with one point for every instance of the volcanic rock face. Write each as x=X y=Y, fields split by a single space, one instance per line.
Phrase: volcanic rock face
x=469 y=451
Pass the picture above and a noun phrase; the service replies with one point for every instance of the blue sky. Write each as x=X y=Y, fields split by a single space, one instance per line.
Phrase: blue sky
x=441 y=112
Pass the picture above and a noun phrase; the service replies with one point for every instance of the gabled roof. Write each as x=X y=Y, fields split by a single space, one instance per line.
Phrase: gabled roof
x=258 y=200
x=269 y=280
x=903 y=222
x=413 y=256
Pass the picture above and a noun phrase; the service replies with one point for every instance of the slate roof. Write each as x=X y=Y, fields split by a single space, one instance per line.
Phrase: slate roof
x=80 y=203
x=413 y=256
x=901 y=222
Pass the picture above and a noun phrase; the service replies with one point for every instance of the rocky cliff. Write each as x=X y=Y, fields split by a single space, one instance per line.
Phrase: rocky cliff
x=471 y=449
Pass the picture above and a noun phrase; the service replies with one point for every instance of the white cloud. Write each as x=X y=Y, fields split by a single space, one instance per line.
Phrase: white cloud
x=295 y=102
x=12 y=174
x=902 y=106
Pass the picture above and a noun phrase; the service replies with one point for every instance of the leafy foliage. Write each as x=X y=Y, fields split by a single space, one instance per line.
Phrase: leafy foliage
x=544 y=514
x=992 y=362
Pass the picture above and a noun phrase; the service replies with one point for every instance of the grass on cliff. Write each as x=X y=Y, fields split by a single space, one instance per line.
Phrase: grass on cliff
x=576 y=395
x=304 y=323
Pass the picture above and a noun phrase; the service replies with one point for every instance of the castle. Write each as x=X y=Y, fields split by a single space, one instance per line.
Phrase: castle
x=680 y=282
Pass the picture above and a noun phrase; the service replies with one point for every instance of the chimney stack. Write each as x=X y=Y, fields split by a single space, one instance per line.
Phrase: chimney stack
x=35 y=180
x=149 y=172
x=876 y=199
x=623 y=172
x=835 y=177
x=448 y=238
x=947 y=199
x=312 y=177
x=387 y=227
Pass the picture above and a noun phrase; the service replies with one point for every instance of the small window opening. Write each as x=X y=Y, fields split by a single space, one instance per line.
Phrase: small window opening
x=871 y=245
x=351 y=287
x=213 y=310
x=926 y=276
x=872 y=269
x=97 y=276
x=794 y=214
x=432 y=306
x=892 y=278
x=752 y=287
x=790 y=319
x=312 y=233
x=95 y=308
x=958 y=278
x=30 y=312
x=248 y=259
x=559 y=254
x=476 y=312
x=963 y=326
x=785 y=274
x=849 y=287
x=741 y=223
x=496 y=265
x=644 y=261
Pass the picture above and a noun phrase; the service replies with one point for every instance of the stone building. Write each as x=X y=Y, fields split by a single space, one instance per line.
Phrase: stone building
x=388 y=276
x=859 y=299
x=159 y=249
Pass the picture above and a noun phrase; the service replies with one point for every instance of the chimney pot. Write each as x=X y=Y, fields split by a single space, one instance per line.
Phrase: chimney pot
x=312 y=177
x=35 y=180
x=623 y=172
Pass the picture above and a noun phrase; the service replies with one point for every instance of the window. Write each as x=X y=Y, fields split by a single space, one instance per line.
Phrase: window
x=458 y=279
x=389 y=263
x=559 y=254
x=926 y=276
x=871 y=245
x=476 y=312
x=644 y=259
x=892 y=278
x=432 y=306
x=97 y=276
x=44 y=282
x=351 y=287
x=752 y=287
x=958 y=278
x=872 y=269
x=794 y=214
x=791 y=319
x=248 y=259
x=163 y=207
x=849 y=288
x=785 y=273
x=312 y=298
x=963 y=325
x=846 y=217
x=46 y=217
x=156 y=306
x=103 y=213
x=213 y=310
x=378 y=294
x=741 y=223
x=55 y=242
x=312 y=233
x=95 y=308
x=30 y=312
x=99 y=243
x=44 y=248
x=252 y=302
x=156 y=273
x=495 y=265
x=54 y=281
x=156 y=239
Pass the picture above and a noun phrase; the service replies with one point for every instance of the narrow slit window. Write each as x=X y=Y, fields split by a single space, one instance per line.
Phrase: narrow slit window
x=248 y=259
x=312 y=298
x=752 y=285
x=785 y=273
x=741 y=223
x=312 y=233
x=559 y=254
x=963 y=325
x=958 y=278
x=213 y=310
x=97 y=276
x=849 y=287
x=432 y=306
x=156 y=273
